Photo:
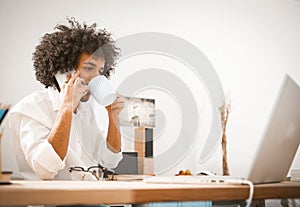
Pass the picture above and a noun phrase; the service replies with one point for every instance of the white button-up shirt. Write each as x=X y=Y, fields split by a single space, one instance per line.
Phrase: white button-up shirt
x=30 y=123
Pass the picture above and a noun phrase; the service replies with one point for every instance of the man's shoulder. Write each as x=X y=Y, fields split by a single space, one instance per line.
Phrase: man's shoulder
x=35 y=98
x=37 y=106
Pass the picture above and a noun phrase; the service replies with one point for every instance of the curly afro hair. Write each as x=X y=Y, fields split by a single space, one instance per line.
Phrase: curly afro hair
x=60 y=50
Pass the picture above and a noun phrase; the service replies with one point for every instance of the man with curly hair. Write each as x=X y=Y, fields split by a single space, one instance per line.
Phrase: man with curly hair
x=63 y=126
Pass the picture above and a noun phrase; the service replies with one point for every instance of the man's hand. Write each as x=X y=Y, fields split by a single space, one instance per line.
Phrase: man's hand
x=74 y=89
x=116 y=107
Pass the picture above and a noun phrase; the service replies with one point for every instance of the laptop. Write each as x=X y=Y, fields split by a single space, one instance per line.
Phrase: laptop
x=276 y=150
x=281 y=137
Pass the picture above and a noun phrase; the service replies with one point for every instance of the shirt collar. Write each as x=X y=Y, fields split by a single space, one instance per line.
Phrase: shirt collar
x=54 y=97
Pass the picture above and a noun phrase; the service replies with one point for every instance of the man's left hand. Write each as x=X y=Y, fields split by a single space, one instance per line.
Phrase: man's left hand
x=117 y=106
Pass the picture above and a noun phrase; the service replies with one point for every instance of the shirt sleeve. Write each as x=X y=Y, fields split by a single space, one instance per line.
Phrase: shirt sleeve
x=38 y=152
x=108 y=158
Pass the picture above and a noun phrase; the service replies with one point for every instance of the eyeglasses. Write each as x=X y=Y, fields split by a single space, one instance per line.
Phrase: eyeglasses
x=98 y=171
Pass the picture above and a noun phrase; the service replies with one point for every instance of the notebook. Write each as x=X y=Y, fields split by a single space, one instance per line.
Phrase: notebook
x=276 y=150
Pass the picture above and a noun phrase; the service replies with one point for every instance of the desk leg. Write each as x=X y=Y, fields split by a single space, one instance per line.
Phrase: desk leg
x=258 y=203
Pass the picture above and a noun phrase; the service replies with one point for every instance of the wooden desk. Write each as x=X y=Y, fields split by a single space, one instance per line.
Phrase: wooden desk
x=113 y=192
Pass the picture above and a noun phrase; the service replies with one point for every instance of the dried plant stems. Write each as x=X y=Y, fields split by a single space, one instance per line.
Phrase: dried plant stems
x=224 y=110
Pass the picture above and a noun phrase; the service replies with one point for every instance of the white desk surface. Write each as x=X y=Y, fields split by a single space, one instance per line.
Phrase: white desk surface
x=116 y=192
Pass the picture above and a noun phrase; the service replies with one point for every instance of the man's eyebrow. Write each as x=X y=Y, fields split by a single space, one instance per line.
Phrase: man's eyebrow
x=89 y=63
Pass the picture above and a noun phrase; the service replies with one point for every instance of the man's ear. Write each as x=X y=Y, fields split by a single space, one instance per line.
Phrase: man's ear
x=104 y=70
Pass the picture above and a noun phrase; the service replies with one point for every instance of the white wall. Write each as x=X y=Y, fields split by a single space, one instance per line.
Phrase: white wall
x=251 y=44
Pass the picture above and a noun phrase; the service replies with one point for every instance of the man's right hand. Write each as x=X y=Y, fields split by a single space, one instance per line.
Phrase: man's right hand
x=74 y=89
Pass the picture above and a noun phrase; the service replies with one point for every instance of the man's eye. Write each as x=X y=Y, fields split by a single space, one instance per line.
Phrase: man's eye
x=88 y=68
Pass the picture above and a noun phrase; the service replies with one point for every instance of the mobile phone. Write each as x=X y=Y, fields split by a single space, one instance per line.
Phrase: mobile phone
x=61 y=78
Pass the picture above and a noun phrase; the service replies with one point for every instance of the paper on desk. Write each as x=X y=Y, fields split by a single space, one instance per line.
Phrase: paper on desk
x=126 y=177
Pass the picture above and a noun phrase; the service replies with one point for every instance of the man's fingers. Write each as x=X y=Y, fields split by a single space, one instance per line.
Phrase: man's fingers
x=118 y=105
x=119 y=102
x=81 y=87
x=73 y=77
x=79 y=82
x=69 y=75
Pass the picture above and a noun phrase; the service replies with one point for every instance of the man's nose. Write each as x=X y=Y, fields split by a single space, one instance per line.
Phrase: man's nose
x=93 y=75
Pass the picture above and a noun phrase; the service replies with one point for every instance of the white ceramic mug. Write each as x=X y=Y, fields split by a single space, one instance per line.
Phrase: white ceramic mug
x=102 y=90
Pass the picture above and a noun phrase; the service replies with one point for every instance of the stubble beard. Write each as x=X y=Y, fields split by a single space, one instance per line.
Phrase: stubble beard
x=86 y=97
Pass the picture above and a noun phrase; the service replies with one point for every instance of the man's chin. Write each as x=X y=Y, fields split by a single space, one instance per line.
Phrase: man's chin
x=85 y=98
